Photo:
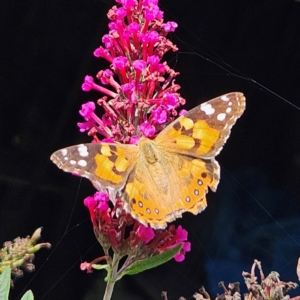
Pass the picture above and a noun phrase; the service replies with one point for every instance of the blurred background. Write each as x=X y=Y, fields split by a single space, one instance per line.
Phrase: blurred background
x=232 y=45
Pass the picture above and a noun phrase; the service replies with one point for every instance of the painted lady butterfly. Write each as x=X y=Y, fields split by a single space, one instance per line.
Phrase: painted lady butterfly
x=160 y=179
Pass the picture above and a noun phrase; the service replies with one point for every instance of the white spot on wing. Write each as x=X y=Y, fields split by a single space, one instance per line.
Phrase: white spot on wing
x=72 y=162
x=221 y=117
x=228 y=110
x=83 y=151
x=229 y=103
x=64 y=152
x=207 y=108
x=66 y=158
x=82 y=163
x=224 y=98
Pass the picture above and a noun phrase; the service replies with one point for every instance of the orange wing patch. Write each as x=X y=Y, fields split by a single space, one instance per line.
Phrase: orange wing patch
x=112 y=164
x=197 y=137
x=205 y=136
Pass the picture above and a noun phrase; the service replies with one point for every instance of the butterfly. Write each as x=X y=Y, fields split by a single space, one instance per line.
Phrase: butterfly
x=160 y=179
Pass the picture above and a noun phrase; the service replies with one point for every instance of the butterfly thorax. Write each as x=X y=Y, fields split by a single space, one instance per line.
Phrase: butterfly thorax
x=155 y=165
x=148 y=150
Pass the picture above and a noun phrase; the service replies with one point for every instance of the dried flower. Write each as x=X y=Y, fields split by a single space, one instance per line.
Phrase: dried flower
x=19 y=254
x=270 y=288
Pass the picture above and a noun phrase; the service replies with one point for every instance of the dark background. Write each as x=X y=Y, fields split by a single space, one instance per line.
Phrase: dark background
x=248 y=46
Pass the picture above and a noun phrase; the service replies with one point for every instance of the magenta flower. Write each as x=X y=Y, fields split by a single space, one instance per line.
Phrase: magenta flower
x=145 y=233
x=89 y=85
x=147 y=129
x=87 y=110
x=134 y=47
x=182 y=112
x=134 y=140
x=120 y=63
x=106 y=39
x=181 y=234
x=111 y=229
x=102 y=200
x=159 y=115
x=169 y=26
x=105 y=76
x=179 y=257
x=139 y=65
x=104 y=53
x=169 y=100
x=140 y=98
x=155 y=66
x=85 y=125
x=134 y=28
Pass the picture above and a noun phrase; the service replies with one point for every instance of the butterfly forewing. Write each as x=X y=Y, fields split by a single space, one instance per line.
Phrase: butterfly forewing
x=203 y=131
x=105 y=165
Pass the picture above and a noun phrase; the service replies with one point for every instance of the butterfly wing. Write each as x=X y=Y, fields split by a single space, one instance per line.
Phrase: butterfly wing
x=106 y=165
x=144 y=203
x=158 y=200
x=159 y=192
x=187 y=148
x=203 y=131
x=195 y=176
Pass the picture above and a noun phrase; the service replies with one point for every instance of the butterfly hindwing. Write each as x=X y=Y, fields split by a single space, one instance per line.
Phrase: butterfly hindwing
x=143 y=204
x=203 y=131
x=185 y=185
x=105 y=165
x=195 y=177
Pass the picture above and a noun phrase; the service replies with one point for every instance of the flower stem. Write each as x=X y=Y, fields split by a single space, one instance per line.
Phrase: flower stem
x=111 y=277
x=109 y=290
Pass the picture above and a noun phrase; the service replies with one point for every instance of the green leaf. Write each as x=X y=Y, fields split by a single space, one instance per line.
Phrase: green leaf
x=5 y=283
x=28 y=296
x=150 y=262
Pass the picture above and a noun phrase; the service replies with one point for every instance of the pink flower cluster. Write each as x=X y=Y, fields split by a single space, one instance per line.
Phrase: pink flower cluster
x=140 y=98
x=117 y=229
x=143 y=98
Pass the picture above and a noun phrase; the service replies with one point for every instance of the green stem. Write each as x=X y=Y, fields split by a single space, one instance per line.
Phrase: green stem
x=111 y=277
x=109 y=290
